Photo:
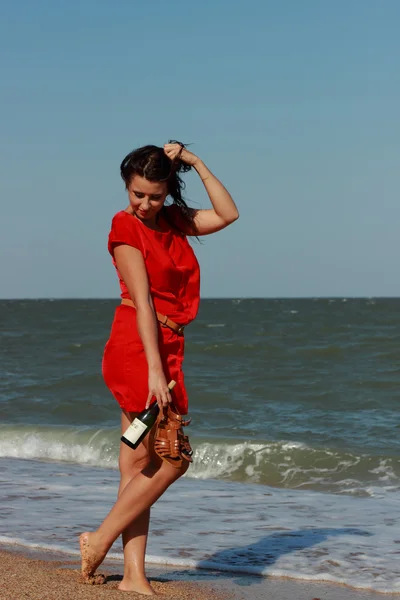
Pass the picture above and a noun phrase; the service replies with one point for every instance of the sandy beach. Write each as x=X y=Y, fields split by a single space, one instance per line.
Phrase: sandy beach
x=38 y=579
x=33 y=575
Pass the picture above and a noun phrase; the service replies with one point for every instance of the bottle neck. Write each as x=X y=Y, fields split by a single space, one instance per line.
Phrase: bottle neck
x=154 y=406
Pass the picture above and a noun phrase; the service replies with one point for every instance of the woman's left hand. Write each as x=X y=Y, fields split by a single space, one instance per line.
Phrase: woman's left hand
x=174 y=151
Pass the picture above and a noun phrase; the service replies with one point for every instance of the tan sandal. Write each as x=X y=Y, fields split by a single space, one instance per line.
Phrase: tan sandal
x=170 y=443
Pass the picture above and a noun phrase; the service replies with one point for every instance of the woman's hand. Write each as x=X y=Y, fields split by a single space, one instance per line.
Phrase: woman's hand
x=158 y=388
x=174 y=151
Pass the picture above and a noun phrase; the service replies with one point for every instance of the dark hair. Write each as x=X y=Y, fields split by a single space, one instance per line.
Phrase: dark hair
x=153 y=164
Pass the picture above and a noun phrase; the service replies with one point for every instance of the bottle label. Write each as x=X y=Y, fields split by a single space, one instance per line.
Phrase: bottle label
x=134 y=431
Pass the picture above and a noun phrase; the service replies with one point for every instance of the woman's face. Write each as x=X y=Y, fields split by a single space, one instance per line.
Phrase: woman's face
x=146 y=197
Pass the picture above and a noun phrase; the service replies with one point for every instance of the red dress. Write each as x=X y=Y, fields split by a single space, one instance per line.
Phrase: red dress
x=174 y=280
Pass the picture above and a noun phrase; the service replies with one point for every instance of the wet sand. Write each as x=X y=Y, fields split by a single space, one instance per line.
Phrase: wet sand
x=53 y=576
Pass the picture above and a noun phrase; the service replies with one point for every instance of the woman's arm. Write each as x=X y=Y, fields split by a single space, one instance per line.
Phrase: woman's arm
x=224 y=211
x=130 y=265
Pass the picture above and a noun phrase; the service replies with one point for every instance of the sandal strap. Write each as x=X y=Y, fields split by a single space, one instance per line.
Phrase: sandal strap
x=170 y=443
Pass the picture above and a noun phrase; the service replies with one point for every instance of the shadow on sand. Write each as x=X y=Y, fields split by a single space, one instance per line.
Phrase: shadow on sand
x=253 y=559
x=246 y=563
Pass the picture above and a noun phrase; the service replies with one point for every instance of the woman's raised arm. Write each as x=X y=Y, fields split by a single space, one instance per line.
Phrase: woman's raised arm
x=223 y=211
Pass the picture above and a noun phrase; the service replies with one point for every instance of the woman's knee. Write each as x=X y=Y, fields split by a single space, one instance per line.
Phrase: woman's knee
x=131 y=470
x=174 y=473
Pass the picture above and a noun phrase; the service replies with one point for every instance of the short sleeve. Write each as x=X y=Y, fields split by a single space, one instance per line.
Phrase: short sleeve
x=124 y=231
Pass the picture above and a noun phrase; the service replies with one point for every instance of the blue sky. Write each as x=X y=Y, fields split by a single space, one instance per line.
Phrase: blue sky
x=293 y=105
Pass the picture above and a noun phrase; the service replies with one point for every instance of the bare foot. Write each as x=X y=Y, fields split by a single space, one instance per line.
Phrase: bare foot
x=91 y=559
x=138 y=585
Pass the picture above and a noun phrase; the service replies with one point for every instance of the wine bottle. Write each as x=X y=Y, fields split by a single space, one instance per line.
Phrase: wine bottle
x=142 y=424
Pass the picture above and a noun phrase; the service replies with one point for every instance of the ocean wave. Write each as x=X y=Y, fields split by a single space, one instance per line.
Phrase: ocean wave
x=284 y=464
x=294 y=465
x=81 y=445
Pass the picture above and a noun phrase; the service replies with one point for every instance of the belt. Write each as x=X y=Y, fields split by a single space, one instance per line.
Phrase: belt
x=163 y=319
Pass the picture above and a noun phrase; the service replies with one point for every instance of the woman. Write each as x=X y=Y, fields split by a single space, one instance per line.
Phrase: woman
x=159 y=279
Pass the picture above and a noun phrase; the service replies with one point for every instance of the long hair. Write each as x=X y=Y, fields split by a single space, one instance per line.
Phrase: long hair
x=153 y=164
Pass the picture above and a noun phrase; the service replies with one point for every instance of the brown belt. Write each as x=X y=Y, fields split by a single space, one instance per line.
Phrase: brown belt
x=163 y=319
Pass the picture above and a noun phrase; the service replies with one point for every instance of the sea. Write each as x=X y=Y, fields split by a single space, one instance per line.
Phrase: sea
x=295 y=428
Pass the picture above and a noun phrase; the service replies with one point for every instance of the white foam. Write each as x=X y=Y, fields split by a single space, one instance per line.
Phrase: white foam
x=15 y=541
x=284 y=463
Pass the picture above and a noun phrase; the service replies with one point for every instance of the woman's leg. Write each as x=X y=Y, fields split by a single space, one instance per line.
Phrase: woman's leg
x=136 y=498
x=134 y=537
